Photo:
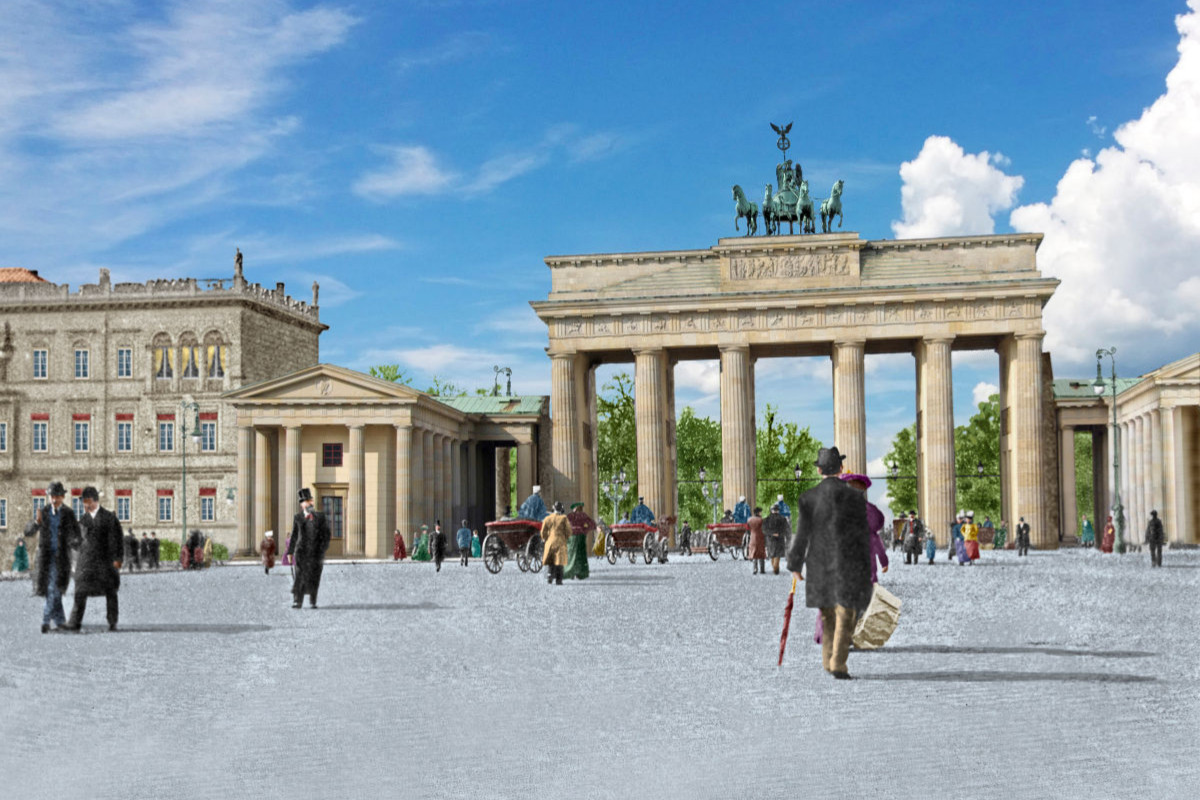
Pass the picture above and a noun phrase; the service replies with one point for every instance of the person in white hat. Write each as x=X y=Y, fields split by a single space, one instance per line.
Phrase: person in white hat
x=741 y=512
x=267 y=548
x=534 y=506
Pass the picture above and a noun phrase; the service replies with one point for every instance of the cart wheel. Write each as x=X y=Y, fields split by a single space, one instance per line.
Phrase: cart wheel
x=493 y=553
x=746 y=542
x=533 y=553
x=610 y=549
x=648 y=548
x=633 y=556
x=714 y=549
x=735 y=552
x=662 y=550
x=522 y=561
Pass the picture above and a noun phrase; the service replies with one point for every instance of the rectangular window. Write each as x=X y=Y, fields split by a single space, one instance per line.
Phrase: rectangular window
x=191 y=362
x=124 y=507
x=124 y=362
x=331 y=454
x=208 y=437
x=3 y=513
x=208 y=509
x=39 y=364
x=164 y=362
x=81 y=364
x=39 y=436
x=216 y=360
x=77 y=507
x=164 y=509
x=38 y=504
x=3 y=437
x=82 y=435
x=166 y=437
x=124 y=437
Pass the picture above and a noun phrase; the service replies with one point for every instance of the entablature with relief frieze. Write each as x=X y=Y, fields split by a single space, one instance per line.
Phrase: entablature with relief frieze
x=591 y=329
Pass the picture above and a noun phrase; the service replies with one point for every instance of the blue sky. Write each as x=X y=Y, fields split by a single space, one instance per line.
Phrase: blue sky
x=420 y=159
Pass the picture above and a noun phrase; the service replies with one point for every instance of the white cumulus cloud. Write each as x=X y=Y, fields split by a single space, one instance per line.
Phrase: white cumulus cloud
x=1123 y=231
x=982 y=391
x=413 y=170
x=949 y=192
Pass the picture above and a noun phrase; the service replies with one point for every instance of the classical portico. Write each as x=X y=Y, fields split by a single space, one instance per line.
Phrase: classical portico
x=832 y=295
x=378 y=456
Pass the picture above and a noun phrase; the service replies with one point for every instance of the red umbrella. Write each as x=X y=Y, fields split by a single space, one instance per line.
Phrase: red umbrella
x=787 y=620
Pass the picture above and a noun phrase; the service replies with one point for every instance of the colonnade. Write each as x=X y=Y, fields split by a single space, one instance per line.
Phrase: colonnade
x=1158 y=459
x=573 y=417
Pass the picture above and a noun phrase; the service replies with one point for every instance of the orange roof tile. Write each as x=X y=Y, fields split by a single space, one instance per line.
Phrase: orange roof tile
x=20 y=275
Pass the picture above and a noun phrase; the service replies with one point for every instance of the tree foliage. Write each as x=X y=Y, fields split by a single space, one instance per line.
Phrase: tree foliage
x=977 y=442
x=392 y=373
x=781 y=446
x=616 y=438
x=1083 y=482
x=697 y=444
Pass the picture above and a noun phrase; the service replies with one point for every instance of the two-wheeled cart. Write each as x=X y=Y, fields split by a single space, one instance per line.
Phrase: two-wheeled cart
x=631 y=538
x=728 y=537
x=520 y=538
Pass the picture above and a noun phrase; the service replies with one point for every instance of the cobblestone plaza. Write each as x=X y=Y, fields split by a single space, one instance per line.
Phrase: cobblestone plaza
x=1064 y=674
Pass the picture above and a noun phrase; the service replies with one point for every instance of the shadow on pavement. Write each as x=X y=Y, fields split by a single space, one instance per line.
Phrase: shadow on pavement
x=1049 y=651
x=181 y=627
x=1180 y=566
x=383 y=607
x=627 y=580
x=997 y=676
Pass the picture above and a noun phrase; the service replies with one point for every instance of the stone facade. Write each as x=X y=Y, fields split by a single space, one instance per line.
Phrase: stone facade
x=834 y=295
x=128 y=331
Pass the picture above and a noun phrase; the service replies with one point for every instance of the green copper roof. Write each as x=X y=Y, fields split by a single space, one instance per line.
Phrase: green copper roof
x=1079 y=387
x=486 y=404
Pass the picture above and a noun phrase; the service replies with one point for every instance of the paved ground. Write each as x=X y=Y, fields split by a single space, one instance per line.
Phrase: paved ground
x=1066 y=674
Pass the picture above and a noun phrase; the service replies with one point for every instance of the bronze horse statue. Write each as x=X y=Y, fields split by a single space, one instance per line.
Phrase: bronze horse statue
x=804 y=210
x=744 y=208
x=831 y=208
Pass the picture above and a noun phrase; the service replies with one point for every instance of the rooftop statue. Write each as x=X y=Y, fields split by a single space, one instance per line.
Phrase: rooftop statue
x=744 y=208
x=789 y=201
x=832 y=207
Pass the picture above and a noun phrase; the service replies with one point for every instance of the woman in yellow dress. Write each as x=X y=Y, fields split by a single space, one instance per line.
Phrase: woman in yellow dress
x=970 y=534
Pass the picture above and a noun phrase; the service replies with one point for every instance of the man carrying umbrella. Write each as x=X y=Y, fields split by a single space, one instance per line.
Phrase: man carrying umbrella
x=833 y=539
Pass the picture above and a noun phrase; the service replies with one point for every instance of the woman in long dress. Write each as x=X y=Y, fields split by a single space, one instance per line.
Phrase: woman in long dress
x=1110 y=535
x=421 y=546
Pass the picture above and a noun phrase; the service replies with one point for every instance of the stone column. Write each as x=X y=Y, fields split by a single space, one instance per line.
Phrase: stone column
x=525 y=474
x=1180 y=470
x=1029 y=489
x=404 y=481
x=1156 y=462
x=1066 y=477
x=1134 y=459
x=849 y=405
x=430 y=470
x=456 y=479
x=737 y=426
x=472 y=500
x=670 y=506
x=564 y=421
x=245 y=490
x=1126 y=470
x=935 y=436
x=503 y=482
x=1101 y=474
x=436 y=481
x=650 y=413
x=589 y=483
x=289 y=501
x=356 y=498
x=447 y=508
x=416 y=484
x=262 y=485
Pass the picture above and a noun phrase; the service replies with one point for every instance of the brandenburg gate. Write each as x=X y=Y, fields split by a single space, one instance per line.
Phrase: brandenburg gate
x=833 y=295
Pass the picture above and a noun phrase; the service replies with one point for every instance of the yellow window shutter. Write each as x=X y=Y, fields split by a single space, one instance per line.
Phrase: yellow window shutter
x=158 y=357
x=224 y=361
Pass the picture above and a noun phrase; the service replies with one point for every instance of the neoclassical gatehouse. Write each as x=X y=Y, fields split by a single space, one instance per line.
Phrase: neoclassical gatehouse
x=110 y=383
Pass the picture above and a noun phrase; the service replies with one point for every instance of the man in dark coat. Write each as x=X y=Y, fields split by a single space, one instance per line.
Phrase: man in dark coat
x=437 y=545
x=310 y=540
x=144 y=550
x=833 y=539
x=154 y=548
x=1023 y=538
x=133 y=552
x=776 y=528
x=1155 y=537
x=99 y=569
x=57 y=530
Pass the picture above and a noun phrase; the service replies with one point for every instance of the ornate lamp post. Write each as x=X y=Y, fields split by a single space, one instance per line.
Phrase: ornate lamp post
x=615 y=490
x=712 y=494
x=184 y=434
x=1098 y=388
x=507 y=373
x=799 y=481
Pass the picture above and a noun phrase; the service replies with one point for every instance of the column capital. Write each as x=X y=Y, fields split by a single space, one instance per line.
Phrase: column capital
x=649 y=351
x=562 y=354
x=293 y=426
x=928 y=340
x=1038 y=335
x=734 y=348
x=355 y=425
x=856 y=343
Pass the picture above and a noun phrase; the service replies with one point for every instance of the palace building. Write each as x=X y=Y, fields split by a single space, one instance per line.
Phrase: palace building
x=115 y=385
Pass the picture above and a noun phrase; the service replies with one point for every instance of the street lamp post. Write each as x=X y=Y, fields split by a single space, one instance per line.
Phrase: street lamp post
x=712 y=494
x=1098 y=388
x=184 y=433
x=615 y=490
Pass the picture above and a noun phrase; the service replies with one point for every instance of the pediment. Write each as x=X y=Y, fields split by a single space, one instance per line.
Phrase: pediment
x=324 y=383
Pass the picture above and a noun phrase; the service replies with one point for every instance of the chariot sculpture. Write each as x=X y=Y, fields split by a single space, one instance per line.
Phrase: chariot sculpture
x=788 y=200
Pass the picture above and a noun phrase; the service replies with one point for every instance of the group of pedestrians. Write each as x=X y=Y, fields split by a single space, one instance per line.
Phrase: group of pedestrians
x=142 y=553
x=101 y=545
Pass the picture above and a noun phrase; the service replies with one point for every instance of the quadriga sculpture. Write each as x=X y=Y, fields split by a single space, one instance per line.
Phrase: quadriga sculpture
x=831 y=208
x=744 y=208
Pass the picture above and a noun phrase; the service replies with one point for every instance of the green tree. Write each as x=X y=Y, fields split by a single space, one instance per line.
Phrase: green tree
x=391 y=372
x=902 y=490
x=781 y=446
x=444 y=388
x=697 y=444
x=1083 y=481
x=616 y=437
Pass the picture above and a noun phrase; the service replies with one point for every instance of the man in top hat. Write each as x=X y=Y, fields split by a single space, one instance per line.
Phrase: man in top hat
x=833 y=540
x=642 y=513
x=1155 y=537
x=534 y=506
x=1022 y=537
x=577 y=557
x=741 y=512
x=911 y=535
x=99 y=569
x=57 y=529
x=310 y=540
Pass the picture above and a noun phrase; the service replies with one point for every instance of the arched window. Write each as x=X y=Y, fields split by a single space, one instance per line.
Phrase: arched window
x=190 y=356
x=164 y=357
x=216 y=355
